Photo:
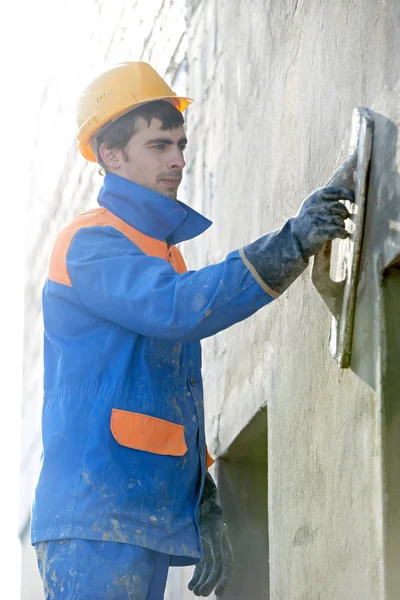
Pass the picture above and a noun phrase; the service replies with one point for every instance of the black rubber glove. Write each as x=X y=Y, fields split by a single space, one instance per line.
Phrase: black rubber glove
x=216 y=567
x=278 y=258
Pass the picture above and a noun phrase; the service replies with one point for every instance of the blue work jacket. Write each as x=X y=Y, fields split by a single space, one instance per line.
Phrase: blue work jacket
x=124 y=451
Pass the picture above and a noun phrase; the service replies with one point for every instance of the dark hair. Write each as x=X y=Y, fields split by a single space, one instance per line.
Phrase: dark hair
x=118 y=134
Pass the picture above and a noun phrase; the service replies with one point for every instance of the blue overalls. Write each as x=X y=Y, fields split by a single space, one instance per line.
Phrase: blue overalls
x=124 y=451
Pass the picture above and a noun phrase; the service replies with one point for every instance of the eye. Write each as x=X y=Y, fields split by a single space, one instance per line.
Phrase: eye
x=158 y=146
x=182 y=147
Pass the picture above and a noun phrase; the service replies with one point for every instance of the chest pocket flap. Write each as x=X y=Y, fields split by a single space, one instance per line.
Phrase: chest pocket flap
x=142 y=432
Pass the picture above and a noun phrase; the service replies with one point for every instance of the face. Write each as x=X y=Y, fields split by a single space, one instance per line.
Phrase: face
x=153 y=158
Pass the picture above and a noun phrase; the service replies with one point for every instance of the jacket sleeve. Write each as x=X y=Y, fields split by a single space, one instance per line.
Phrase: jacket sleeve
x=116 y=281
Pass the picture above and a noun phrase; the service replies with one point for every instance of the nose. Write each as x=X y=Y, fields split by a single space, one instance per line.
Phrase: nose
x=176 y=159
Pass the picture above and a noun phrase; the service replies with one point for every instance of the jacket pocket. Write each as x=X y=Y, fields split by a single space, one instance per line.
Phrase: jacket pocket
x=150 y=434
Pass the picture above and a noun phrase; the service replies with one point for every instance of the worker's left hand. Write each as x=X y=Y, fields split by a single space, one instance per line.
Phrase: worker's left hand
x=216 y=567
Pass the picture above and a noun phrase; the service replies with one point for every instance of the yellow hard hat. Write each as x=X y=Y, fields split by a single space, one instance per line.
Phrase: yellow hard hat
x=114 y=93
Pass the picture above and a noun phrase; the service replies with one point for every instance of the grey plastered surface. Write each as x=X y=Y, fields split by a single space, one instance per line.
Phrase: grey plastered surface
x=242 y=477
x=275 y=88
x=376 y=340
x=242 y=480
x=384 y=222
x=391 y=431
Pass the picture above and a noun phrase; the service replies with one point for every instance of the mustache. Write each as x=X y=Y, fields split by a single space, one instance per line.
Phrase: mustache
x=171 y=175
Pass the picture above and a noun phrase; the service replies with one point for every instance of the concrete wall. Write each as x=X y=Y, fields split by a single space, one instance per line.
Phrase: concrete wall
x=275 y=88
x=275 y=84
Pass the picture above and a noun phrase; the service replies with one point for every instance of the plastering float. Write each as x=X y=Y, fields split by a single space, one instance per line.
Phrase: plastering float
x=340 y=296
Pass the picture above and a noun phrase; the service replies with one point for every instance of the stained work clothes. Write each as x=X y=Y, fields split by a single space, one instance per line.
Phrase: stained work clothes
x=124 y=454
x=90 y=570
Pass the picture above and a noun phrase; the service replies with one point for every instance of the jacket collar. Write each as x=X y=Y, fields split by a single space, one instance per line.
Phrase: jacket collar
x=151 y=213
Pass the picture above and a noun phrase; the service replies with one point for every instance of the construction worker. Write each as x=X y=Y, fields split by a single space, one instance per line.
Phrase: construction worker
x=124 y=490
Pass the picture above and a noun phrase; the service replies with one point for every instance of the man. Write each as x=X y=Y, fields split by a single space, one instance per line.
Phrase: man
x=124 y=492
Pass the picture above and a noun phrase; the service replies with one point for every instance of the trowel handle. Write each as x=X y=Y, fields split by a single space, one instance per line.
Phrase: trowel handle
x=331 y=291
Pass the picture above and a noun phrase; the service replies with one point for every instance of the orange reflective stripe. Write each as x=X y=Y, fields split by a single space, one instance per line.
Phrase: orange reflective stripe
x=176 y=260
x=102 y=217
x=209 y=461
x=150 y=434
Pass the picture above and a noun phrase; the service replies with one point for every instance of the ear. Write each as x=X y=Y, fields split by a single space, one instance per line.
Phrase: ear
x=112 y=157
